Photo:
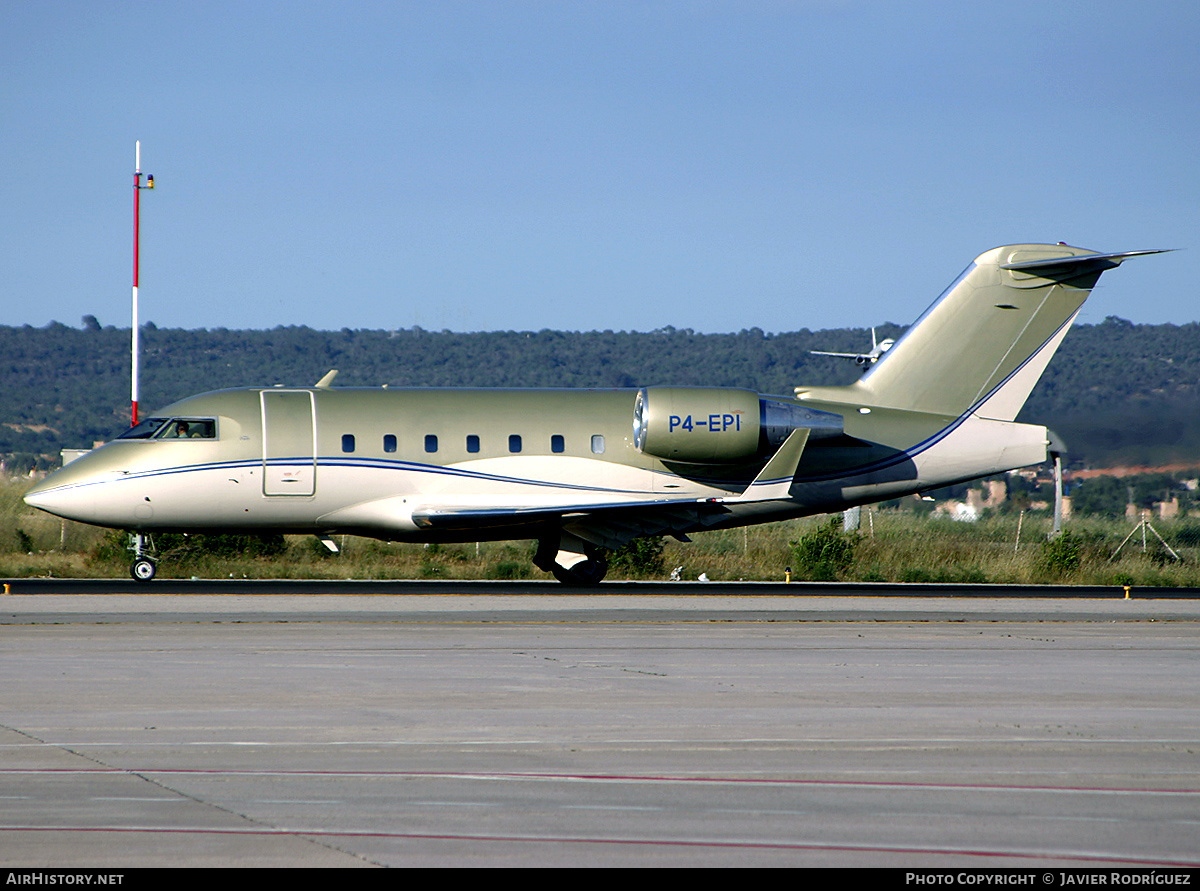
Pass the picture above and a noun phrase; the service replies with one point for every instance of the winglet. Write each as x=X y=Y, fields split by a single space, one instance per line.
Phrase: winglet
x=774 y=481
x=327 y=381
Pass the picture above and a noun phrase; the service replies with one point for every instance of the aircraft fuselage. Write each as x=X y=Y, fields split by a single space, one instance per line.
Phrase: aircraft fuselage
x=370 y=461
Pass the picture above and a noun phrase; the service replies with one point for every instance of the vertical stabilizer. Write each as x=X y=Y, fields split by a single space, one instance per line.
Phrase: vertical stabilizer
x=985 y=342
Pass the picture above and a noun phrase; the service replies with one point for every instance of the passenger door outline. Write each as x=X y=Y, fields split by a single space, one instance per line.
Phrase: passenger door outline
x=289 y=431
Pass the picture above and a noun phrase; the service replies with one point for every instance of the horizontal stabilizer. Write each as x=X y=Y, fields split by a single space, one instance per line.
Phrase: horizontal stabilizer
x=1081 y=264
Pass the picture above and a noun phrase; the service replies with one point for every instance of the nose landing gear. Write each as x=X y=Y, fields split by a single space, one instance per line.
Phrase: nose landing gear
x=143 y=568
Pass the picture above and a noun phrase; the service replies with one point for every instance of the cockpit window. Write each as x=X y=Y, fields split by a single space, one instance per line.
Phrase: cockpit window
x=188 y=428
x=144 y=430
x=173 y=428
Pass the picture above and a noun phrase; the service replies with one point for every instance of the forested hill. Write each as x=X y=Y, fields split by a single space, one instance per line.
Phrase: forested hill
x=1116 y=392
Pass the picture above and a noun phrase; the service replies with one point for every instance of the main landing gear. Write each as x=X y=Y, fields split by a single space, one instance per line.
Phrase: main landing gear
x=143 y=568
x=570 y=559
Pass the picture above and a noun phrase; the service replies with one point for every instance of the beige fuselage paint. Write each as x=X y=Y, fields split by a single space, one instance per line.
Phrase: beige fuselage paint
x=383 y=454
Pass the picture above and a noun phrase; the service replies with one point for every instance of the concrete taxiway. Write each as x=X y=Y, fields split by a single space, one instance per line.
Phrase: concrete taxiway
x=634 y=729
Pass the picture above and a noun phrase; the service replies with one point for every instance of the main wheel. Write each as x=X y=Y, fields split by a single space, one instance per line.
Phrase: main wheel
x=143 y=569
x=583 y=574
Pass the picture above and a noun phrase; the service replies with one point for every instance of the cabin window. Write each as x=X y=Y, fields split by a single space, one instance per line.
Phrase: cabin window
x=347 y=442
x=430 y=442
x=598 y=444
x=389 y=442
x=472 y=443
x=557 y=444
x=514 y=443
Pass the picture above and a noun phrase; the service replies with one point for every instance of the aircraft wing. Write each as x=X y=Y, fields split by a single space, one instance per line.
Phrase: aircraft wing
x=613 y=524
x=607 y=525
x=472 y=517
x=615 y=529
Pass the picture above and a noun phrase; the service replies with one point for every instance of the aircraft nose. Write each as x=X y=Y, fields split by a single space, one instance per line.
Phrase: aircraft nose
x=74 y=492
x=62 y=501
x=84 y=490
x=36 y=497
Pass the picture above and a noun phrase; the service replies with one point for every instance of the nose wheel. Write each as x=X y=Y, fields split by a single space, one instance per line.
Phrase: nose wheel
x=143 y=568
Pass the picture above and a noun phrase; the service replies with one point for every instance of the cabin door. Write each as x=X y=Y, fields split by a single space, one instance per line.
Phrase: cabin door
x=289 y=442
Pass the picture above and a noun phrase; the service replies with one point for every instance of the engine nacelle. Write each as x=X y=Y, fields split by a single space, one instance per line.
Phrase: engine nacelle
x=698 y=424
x=706 y=425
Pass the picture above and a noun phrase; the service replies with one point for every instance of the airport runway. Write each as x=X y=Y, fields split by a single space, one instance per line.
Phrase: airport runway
x=612 y=729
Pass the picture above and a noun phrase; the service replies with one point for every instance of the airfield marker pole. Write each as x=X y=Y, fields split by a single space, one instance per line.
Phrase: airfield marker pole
x=137 y=207
x=137 y=237
x=1058 y=494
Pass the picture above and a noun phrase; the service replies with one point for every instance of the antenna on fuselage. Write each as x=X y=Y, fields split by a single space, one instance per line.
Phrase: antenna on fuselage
x=137 y=235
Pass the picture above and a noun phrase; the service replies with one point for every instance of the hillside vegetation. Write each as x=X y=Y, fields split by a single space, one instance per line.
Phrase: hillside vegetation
x=1118 y=393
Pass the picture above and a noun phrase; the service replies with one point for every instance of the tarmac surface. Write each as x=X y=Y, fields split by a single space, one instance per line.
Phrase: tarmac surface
x=656 y=728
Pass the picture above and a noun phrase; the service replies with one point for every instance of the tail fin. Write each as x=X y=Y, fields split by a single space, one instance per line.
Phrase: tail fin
x=985 y=342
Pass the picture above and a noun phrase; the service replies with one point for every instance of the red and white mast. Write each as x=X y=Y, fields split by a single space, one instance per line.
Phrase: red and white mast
x=137 y=223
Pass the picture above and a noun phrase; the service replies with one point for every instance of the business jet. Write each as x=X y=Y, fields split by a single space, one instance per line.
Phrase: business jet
x=863 y=360
x=582 y=471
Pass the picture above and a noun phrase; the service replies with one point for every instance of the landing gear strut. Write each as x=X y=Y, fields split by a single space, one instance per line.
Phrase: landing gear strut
x=144 y=568
x=570 y=559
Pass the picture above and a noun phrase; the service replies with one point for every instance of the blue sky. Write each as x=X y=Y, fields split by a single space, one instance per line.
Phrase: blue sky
x=586 y=165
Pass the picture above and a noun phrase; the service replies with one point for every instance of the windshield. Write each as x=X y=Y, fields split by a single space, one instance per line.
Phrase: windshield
x=173 y=428
x=144 y=430
x=189 y=428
